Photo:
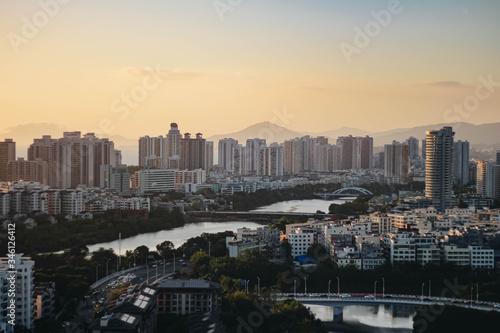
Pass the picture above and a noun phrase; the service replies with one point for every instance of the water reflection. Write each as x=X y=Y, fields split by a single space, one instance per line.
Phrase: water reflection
x=377 y=318
x=177 y=236
x=302 y=206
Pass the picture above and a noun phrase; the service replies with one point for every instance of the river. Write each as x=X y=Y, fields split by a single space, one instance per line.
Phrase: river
x=375 y=318
x=180 y=235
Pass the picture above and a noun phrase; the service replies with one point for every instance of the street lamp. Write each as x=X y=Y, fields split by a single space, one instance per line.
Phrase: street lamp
x=174 y=263
x=305 y=285
x=471 y=289
x=383 y=287
x=163 y=264
x=96 y=273
x=429 y=288
x=209 y=245
x=294 y=288
x=107 y=261
x=329 y=288
x=258 y=286
x=375 y=290
x=477 y=292
x=423 y=284
x=156 y=266
x=338 y=286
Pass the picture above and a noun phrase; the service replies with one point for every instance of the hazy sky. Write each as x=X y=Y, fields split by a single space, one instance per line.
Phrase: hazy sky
x=129 y=68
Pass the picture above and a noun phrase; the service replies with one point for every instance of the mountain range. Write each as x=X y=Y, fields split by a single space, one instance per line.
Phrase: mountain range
x=484 y=134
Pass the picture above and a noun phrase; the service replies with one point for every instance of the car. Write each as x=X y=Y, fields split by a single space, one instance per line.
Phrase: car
x=153 y=265
x=181 y=260
x=370 y=297
x=183 y=264
x=168 y=264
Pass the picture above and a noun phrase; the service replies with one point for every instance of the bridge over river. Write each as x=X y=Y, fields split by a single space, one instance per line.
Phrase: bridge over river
x=338 y=302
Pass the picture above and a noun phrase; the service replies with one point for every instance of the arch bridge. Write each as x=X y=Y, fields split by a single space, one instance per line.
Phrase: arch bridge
x=345 y=192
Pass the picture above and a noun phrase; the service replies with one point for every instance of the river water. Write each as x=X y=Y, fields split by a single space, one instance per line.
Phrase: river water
x=179 y=235
x=376 y=318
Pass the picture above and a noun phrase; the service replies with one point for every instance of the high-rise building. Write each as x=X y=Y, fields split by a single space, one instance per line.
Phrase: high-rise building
x=193 y=152
x=497 y=176
x=396 y=162
x=226 y=147
x=355 y=152
x=439 y=167
x=461 y=162
x=239 y=160
x=270 y=160
x=252 y=150
x=73 y=160
x=24 y=288
x=413 y=146
x=366 y=159
x=209 y=155
x=152 y=152
x=7 y=154
x=30 y=171
x=116 y=178
x=486 y=179
x=423 y=149
x=174 y=137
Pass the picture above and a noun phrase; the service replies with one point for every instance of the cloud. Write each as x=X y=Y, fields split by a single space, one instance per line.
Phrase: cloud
x=445 y=84
x=167 y=73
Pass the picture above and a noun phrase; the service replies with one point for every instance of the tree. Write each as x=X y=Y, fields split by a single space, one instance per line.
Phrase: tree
x=200 y=263
x=101 y=255
x=141 y=254
x=166 y=249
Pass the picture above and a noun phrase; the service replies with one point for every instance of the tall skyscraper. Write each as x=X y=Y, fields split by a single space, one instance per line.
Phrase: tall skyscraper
x=193 y=152
x=486 y=179
x=366 y=150
x=461 y=162
x=7 y=154
x=396 y=162
x=24 y=288
x=413 y=146
x=174 y=137
x=439 y=167
x=152 y=152
x=226 y=147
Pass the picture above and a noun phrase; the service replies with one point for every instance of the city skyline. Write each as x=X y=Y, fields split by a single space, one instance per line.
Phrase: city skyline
x=216 y=68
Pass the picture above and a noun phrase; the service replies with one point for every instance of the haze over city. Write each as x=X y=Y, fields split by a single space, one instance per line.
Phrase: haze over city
x=221 y=70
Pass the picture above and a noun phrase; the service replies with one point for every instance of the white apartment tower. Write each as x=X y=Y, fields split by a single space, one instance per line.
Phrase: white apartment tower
x=439 y=167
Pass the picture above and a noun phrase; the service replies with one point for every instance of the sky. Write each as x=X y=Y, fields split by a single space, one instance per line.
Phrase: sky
x=130 y=68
